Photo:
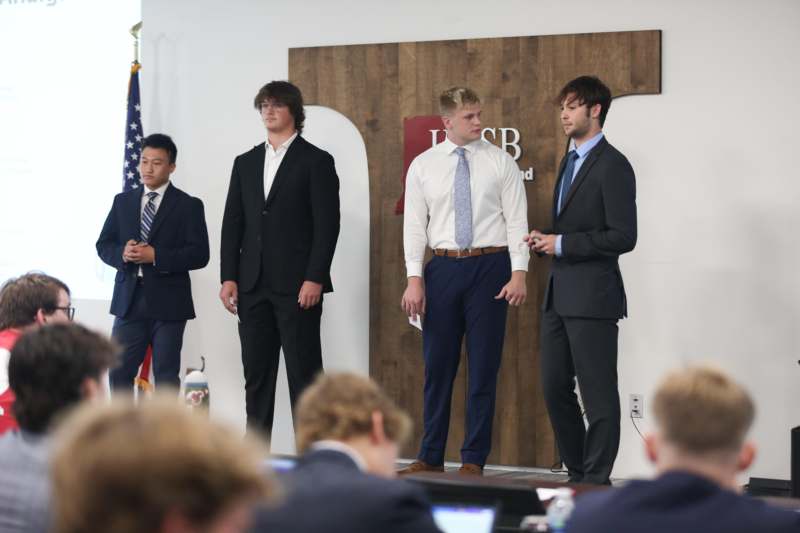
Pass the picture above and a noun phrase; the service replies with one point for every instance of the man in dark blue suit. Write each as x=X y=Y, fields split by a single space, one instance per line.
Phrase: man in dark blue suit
x=699 y=447
x=349 y=430
x=153 y=235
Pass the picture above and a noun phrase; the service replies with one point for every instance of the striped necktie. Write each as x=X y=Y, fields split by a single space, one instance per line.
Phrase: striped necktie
x=148 y=215
x=462 y=200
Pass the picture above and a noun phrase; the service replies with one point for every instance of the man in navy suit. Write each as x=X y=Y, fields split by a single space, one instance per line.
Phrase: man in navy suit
x=594 y=222
x=153 y=235
x=349 y=430
x=699 y=447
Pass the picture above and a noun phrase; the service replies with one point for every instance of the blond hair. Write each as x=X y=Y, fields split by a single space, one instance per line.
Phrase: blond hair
x=122 y=468
x=701 y=410
x=455 y=98
x=340 y=406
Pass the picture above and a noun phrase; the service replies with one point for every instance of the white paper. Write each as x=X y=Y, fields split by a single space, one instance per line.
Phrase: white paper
x=545 y=493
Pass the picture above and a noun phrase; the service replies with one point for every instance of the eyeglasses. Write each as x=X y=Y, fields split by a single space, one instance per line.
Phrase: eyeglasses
x=69 y=311
x=273 y=104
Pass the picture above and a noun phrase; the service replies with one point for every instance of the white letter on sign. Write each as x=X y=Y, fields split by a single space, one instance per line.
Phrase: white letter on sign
x=514 y=143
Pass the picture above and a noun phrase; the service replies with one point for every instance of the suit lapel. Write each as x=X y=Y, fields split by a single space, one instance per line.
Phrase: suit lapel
x=558 y=184
x=133 y=212
x=594 y=154
x=257 y=170
x=285 y=171
x=164 y=210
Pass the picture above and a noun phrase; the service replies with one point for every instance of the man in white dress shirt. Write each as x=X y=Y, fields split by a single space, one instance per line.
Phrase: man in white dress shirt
x=465 y=199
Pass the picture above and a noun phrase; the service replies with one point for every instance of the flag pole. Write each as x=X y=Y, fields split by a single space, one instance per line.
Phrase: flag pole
x=135 y=31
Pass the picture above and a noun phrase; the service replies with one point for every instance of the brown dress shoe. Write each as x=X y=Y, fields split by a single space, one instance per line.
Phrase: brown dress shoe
x=469 y=469
x=419 y=466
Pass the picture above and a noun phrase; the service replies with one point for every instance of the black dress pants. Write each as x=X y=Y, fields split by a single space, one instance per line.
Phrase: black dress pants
x=269 y=321
x=585 y=348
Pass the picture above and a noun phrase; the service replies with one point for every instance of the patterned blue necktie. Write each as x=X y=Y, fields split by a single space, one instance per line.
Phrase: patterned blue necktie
x=462 y=198
x=566 y=178
x=148 y=215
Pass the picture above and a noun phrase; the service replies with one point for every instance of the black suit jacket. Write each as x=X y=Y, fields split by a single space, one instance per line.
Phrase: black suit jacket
x=597 y=224
x=290 y=237
x=327 y=492
x=180 y=239
x=677 y=502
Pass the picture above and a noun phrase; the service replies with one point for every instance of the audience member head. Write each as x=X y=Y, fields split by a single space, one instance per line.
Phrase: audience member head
x=34 y=299
x=702 y=418
x=281 y=106
x=460 y=108
x=153 y=468
x=53 y=368
x=353 y=410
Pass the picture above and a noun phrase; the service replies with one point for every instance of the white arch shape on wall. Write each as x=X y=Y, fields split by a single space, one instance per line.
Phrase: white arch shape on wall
x=345 y=313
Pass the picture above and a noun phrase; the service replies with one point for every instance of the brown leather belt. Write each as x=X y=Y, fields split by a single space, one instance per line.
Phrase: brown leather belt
x=470 y=252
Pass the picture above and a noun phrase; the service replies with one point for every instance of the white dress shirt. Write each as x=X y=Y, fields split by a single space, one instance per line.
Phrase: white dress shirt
x=499 y=204
x=272 y=162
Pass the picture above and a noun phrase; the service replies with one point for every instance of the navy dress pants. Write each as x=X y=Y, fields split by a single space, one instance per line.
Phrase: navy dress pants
x=135 y=331
x=460 y=300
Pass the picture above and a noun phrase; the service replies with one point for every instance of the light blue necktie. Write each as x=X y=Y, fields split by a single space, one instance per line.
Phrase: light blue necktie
x=566 y=178
x=148 y=215
x=462 y=198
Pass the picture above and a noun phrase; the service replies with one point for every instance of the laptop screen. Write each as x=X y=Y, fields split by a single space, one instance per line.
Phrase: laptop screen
x=464 y=519
x=281 y=464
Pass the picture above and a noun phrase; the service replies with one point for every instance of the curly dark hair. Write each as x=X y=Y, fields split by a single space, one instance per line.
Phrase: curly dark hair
x=47 y=368
x=286 y=93
x=22 y=297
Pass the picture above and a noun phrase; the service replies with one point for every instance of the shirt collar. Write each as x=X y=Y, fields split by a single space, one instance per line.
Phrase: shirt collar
x=448 y=146
x=160 y=190
x=341 y=447
x=284 y=145
x=586 y=147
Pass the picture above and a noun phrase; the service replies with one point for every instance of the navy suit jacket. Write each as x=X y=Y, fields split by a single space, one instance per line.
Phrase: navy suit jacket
x=677 y=502
x=327 y=492
x=180 y=239
x=598 y=224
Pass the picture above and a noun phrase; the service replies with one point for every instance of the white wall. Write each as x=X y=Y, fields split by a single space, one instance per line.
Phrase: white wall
x=713 y=276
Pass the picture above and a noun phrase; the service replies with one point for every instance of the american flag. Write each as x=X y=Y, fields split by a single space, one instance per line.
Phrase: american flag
x=133 y=133
x=131 y=180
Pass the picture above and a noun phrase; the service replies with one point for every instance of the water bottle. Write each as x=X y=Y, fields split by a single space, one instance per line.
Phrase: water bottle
x=195 y=391
x=559 y=510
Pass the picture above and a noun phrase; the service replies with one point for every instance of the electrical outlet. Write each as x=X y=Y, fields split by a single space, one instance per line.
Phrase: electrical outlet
x=636 y=406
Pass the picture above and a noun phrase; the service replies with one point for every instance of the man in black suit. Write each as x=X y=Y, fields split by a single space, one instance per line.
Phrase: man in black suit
x=153 y=235
x=349 y=431
x=279 y=234
x=594 y=222
x=698 y=448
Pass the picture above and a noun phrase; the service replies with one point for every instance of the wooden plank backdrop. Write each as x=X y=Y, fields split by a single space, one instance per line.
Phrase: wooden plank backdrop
x=378 y=85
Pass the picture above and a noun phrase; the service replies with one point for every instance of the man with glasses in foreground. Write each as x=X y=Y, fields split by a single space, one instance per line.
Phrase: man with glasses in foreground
x=26 y=303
